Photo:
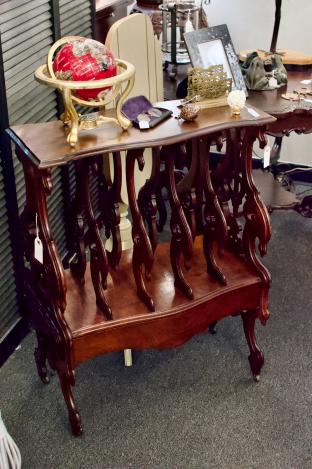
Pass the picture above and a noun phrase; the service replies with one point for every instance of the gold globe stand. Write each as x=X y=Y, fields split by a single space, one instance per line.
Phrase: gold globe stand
x=117 y=89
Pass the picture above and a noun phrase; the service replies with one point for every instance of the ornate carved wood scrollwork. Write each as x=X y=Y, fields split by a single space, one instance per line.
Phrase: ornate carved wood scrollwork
x=109 y=206
x=227 y=180
x=181 y=160
x=45 y=289
x=142 y=249
x=182 y=239
x=147 y=198
x=257 y=224
x=108 y=215
x=98 y=257
x=186 y=188
x=214 y=223
x=49 y=275
x=79 y=262
x=235 y=186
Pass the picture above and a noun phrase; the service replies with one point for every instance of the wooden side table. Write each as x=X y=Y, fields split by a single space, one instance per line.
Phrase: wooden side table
x=291 y=116
x=156 y=296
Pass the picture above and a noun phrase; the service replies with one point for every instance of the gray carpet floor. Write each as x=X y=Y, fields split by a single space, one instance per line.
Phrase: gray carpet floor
x=192 y=407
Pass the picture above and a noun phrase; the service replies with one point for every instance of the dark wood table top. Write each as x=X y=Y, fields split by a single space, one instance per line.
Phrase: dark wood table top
x=45 y=143
x=272 y=101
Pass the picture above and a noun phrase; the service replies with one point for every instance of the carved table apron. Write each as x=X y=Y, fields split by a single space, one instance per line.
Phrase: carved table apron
x=157 y=296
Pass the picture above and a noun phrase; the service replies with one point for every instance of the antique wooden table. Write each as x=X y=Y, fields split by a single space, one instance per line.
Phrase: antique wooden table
x=291 y=116
x=156 y=296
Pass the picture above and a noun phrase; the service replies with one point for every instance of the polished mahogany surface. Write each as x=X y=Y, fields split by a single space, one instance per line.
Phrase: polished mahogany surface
x=128 y=312
x=157 y=295
x=45 y=144
x=272 y=101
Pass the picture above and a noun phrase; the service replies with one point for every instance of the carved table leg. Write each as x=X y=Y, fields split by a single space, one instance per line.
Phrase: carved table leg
x=255 y=358
x=182 y=240
x=41 y=354
x=215 y=226
x=45 y=289
x=98 y=261
x=73 y=414
x=142 y=249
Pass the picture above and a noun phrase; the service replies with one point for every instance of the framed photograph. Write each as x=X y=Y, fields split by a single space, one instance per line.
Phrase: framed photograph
x=213 y=46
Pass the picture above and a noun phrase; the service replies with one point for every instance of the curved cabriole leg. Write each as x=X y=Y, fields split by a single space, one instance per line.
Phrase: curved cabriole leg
x=256 y=358
x=98 y=261
x=40 y=355
x=73 y=414
x=182 y=240
x=215 y=226
x=142 y=259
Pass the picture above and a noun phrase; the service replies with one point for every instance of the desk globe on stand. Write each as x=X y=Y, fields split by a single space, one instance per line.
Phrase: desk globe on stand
x=87 y=74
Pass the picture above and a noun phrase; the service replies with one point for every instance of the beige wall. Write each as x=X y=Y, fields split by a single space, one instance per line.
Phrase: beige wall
x=250 y=23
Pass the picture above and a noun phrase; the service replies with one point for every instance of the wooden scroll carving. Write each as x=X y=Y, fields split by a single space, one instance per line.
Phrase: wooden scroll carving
x=182 y=240
x=109 y=206
x=45 y=290
x=147 y=198
x=214 y=223
x=142 y=249
x=98 y=257
x=257 y=225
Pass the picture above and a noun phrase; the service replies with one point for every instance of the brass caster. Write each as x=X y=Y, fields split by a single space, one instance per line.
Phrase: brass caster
x=256 y=378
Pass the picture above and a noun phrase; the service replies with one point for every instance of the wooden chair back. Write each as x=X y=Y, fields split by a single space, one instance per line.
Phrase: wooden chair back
x=132 y=38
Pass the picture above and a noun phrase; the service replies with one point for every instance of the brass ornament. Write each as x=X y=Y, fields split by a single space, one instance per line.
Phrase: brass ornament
x=209 y=83
x=118 y=88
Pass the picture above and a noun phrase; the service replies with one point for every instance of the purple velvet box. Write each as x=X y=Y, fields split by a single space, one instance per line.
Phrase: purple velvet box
x=141 y=105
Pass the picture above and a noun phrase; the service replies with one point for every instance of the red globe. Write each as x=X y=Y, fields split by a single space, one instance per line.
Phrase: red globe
x=84 y=60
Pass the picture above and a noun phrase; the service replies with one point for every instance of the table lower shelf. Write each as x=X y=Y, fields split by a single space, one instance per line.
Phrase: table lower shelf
x=176 y=318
